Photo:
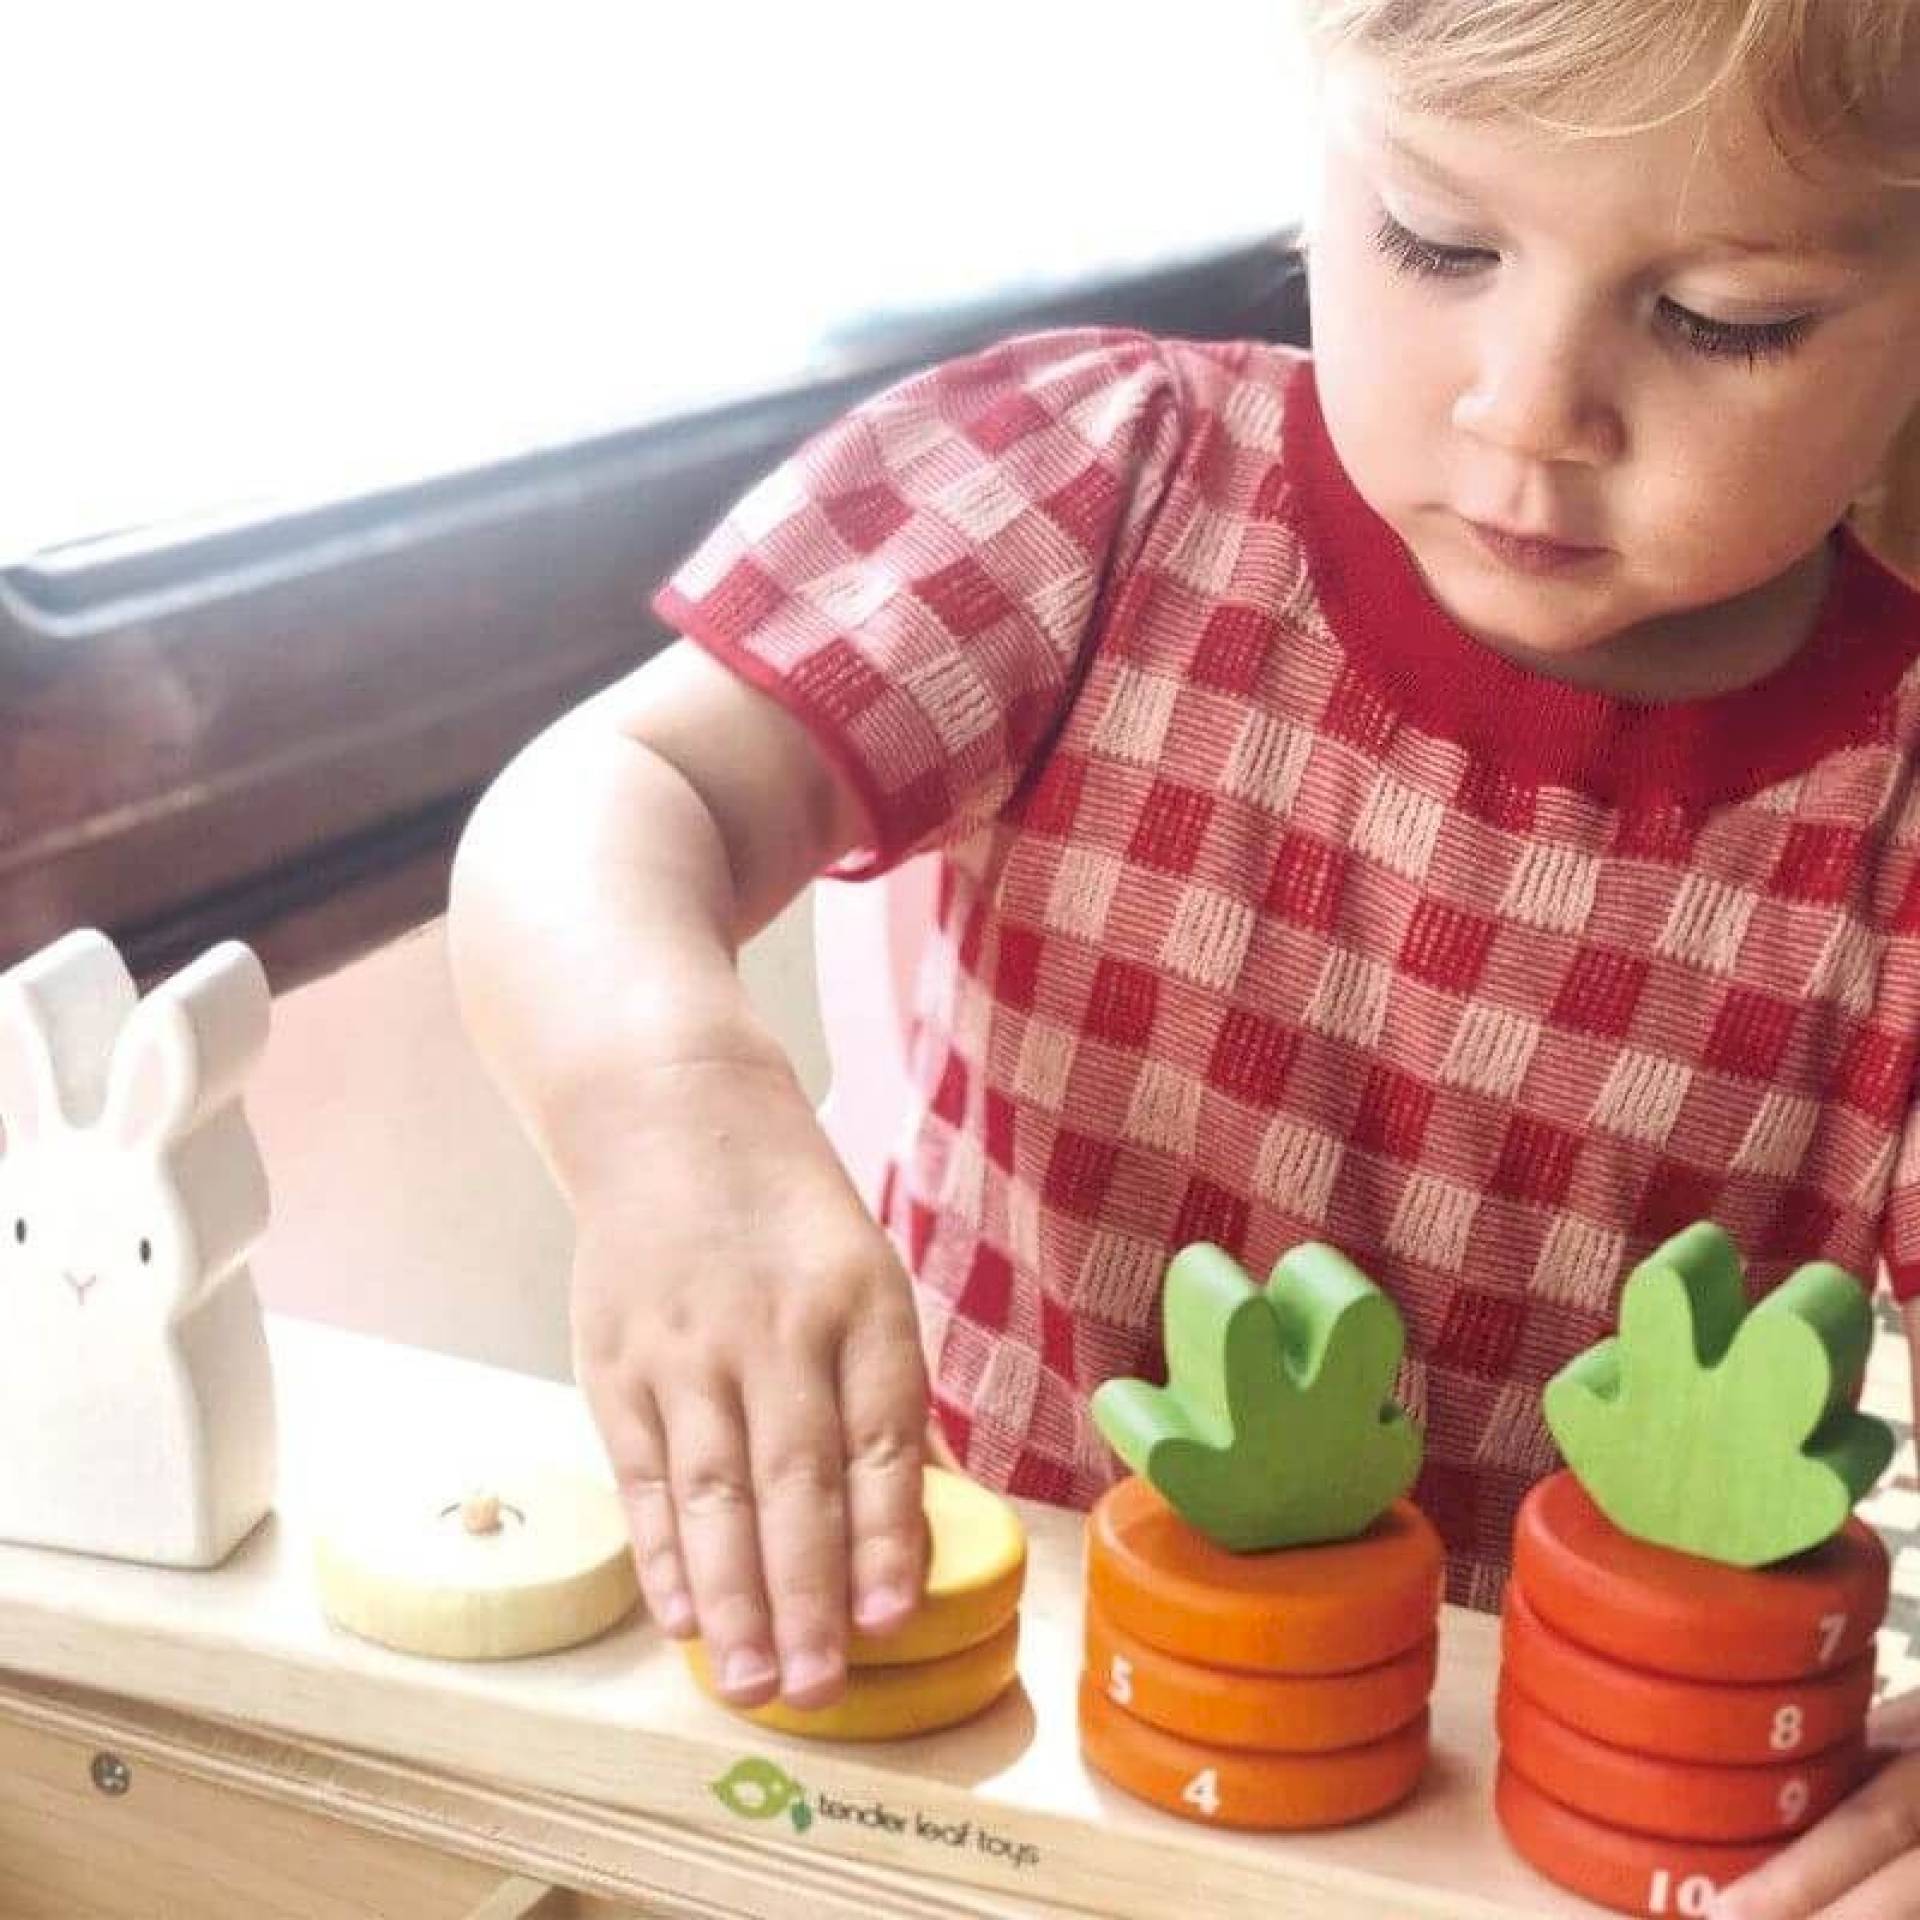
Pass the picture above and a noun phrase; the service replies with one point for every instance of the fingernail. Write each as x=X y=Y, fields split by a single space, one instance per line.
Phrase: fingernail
x=807 y=1671
x=882 y=1607
x=675 y=1615
x=745 y=1669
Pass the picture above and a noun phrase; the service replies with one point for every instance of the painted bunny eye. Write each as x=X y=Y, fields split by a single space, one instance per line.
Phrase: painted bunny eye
x=146 y=1251
x=20 y=1233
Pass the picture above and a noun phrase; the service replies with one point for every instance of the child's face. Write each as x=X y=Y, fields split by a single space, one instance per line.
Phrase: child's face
x=1666 y=350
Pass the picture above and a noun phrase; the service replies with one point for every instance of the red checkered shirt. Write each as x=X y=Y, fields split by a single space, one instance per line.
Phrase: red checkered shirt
x=1274 y=908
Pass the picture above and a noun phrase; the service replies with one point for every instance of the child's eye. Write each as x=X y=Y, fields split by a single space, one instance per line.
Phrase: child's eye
x=1720 y=339
x=1411 y=254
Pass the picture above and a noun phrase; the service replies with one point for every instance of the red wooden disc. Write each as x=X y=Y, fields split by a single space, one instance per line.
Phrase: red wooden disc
x=1679 y=1799
x=1629 y=1872
x=1735 y=1725
x=1675 y=1613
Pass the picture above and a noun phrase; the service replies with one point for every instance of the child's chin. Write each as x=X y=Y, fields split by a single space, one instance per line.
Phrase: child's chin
x=1534 y=618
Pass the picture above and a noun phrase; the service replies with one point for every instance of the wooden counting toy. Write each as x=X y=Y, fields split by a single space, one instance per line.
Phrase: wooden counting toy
x=530 y=1563
x=953 y=1658
x=136 y=1394
x=1688 y=1642
x=1262 y=1600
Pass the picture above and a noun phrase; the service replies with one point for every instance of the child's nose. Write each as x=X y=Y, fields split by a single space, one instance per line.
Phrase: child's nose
x=1541 y=401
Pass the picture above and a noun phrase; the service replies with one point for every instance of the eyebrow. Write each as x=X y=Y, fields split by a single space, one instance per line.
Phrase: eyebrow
x=1851 y=239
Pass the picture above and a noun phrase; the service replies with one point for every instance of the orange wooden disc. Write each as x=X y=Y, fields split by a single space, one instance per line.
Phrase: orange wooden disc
x=1629 y=1872
x=1325 y=1609
x=1679 y=1799
x=1675 y=1613
x=1225 y=1787
x=1735 y=1725
x=1264 y=1712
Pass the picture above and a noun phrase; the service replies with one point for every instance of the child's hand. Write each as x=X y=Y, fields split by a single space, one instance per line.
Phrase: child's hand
x=1862 y=1862
x=746 y=1339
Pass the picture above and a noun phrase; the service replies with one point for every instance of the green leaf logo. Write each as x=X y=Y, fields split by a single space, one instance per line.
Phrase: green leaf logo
x=1717 y=1430
x=758 y=1790
x=1276 y=1427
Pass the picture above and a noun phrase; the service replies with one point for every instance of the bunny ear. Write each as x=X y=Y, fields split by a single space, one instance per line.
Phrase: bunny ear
x=61 y=1010
x=187 y=1047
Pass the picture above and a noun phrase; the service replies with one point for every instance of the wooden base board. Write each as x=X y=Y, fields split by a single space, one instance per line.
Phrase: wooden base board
x=1003 y=1807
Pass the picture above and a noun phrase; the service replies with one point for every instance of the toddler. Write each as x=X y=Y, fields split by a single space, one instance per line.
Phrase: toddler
x=1452 y=795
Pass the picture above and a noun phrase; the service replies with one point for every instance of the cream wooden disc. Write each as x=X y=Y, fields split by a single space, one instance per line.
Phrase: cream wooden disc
x=437 y=1570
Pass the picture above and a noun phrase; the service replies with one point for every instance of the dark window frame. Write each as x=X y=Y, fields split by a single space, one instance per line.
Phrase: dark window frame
x=273 y=732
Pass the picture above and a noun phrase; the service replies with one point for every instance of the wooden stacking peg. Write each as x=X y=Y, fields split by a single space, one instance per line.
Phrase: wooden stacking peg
x=1718 y=1429
x=1629 y=1872
x=1228 y=1787
x=1680 y=1799
x=1677 y=1614
x=1308 y=1610
x=1277 y=1713
x=891 y=1702
x=1757 y=1724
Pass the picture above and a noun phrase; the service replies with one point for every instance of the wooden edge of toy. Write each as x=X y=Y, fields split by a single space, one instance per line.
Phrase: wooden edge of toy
x=1675 y=1799
x=892 y=1702
x=976 y=1572
x=1261 y=1792
x=1629 y=1872
x=1733 y=1724
x=1322 y=1609
x=1274 y=1713
x=1679 y=1615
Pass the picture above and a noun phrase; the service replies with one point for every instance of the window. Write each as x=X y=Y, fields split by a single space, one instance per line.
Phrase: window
x=380 y=359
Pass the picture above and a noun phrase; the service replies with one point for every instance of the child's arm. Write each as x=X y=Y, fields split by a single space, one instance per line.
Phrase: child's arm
x=1862 y=1862
x=743 y=1330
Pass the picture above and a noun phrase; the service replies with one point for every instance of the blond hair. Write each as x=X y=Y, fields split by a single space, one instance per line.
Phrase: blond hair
x=1835 y=80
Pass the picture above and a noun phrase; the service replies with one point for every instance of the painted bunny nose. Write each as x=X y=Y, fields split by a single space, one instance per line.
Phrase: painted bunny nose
x=79 y=1286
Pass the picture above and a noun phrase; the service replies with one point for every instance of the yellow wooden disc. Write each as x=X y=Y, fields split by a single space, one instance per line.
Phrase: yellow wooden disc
x=536 y=1561
x=975 y=1573
x=890 y=1703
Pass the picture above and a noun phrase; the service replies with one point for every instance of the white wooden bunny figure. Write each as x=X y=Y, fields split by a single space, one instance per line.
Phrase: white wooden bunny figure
x=136 y=1395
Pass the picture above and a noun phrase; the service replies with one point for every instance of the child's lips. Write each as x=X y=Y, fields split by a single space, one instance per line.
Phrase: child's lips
x=1529 y=551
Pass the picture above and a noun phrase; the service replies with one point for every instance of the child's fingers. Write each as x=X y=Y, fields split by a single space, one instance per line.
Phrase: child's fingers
x=638 y=1452
x=1860 y=1837
x=883 y=1411
x=793 y=1425
x=1893 y=1890
x=712 y=1481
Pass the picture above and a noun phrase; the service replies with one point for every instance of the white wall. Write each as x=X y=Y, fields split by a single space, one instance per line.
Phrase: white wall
x=406 y=1201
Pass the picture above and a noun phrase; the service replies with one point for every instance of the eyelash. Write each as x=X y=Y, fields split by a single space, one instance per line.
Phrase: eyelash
x=1714 y=339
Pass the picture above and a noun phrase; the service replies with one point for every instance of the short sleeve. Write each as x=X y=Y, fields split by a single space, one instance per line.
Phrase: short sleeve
x=921 y=582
